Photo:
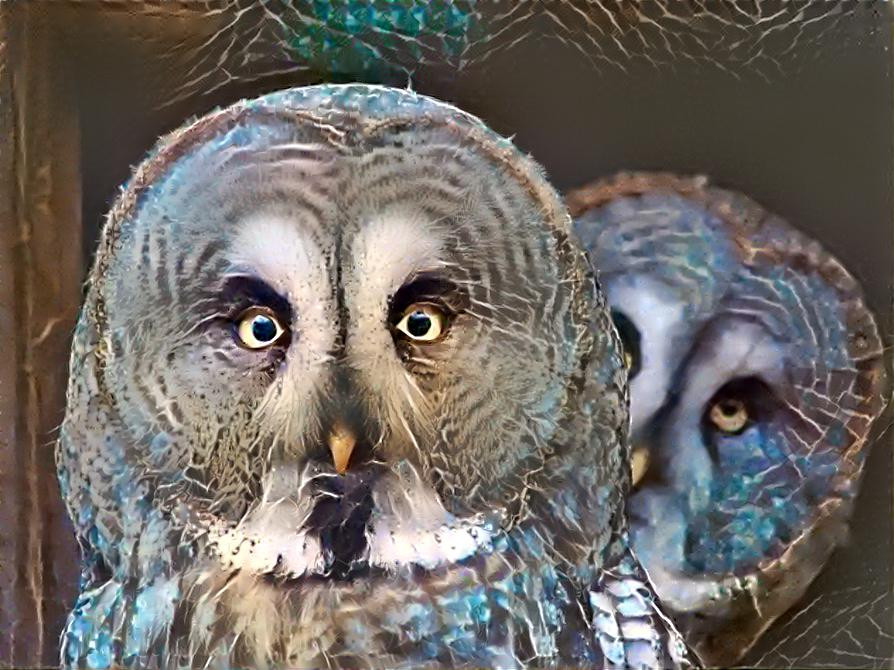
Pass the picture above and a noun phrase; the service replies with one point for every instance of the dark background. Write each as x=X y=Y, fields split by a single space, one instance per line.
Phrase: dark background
x=789 y=103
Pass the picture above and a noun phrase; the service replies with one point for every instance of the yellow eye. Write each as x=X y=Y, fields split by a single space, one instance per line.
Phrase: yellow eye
x=729 y=415
x=258 y=328
x=422 y=322
x=630 y=341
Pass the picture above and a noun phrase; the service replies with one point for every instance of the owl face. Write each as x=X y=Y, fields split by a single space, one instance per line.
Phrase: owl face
x=337 y=328
x=756 y=372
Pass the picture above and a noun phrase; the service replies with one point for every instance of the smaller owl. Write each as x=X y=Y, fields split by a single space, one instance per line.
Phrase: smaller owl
x=756 y=373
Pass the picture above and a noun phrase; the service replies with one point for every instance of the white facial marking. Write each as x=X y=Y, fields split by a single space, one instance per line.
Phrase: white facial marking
x=742 y=349
x=409 y=526
x=659 y=318
x=281 y=252
x=392 y=246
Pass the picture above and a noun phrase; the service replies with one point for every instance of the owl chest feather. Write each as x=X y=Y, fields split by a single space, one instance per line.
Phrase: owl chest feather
x=500 y=609
x=506 y=607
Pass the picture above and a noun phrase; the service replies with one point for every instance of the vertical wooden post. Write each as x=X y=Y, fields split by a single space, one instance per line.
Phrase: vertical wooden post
x=41 y=267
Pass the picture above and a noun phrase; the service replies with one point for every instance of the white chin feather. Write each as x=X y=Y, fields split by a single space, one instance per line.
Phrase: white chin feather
x=409 y=526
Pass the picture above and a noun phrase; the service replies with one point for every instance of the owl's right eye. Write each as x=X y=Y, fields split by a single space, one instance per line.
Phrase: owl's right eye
x=630 y=339
x=258 y=328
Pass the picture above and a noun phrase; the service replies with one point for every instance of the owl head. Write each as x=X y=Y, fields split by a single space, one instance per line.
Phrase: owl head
x=339 y=329
x=756 y=371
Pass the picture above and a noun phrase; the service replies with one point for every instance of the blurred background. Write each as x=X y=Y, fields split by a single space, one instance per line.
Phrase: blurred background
x=789 y=102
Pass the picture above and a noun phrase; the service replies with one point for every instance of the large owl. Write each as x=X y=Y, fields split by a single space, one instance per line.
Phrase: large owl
x=755 y=374
x=344 y=392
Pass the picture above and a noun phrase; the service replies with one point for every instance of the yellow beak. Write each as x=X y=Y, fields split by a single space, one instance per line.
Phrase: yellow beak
x=639 y=464
x=341 y=444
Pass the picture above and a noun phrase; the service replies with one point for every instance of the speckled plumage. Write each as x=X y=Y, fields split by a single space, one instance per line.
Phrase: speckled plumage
x=730 y=303
x=486 y=526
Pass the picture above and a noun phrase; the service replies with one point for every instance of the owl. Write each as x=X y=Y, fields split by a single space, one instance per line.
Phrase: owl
x=344 y=392
x=755 y=371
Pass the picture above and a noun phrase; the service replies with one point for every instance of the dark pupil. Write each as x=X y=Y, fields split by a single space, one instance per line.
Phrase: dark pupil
x=418 y=324
x=263 y=328
x=729 y=408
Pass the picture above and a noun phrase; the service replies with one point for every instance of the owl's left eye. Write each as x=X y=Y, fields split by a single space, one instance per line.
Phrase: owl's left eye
x=729 y=415
x=739 y=404
x=422 y=322
x=258 y=328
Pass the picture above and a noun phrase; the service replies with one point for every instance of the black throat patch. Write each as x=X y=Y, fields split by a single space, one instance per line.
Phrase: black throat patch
x=340 y=518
